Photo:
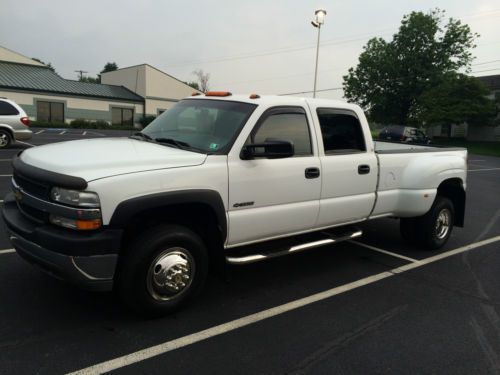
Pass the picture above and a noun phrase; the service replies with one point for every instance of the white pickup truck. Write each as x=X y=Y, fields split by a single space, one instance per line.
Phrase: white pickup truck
x=221 y=179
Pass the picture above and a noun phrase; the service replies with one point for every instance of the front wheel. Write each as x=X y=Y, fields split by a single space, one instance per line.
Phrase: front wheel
x=164 y=269
x=5 y=139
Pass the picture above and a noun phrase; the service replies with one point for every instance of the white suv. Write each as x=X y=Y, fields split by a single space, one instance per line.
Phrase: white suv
x=13 y=123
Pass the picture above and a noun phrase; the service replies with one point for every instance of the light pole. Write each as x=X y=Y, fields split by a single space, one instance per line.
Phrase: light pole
x=319 y=19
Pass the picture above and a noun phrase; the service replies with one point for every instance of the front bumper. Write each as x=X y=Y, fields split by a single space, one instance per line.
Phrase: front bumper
x=86 y=259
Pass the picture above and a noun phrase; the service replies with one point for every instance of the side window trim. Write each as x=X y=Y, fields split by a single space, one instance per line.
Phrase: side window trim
x=341 y=111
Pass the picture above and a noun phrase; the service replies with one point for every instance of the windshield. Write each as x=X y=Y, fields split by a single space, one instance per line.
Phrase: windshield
x=199 y=124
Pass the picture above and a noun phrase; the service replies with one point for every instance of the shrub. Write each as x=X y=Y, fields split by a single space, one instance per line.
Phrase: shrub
x=81 y=124
x=44 y=124
x=101 y=124
x=146 y=120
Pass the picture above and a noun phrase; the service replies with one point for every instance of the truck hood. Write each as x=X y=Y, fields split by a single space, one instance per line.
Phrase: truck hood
x=92 y=159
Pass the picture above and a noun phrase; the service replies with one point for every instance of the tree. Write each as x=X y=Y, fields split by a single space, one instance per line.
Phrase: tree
x=90 y=79
x=457 y=99
x=49 y=65
x=109 y=67
x=203 y=79
x=391 y=76
x=193 y=84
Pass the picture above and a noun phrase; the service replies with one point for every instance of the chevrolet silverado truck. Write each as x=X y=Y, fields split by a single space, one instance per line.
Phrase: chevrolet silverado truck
x=221 y=179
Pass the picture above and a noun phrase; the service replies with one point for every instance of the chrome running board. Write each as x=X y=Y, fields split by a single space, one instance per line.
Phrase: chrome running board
x=328 y=238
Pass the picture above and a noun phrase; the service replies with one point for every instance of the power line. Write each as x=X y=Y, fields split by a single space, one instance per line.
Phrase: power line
x=485 y=62
x=291 y=49
x=341 y=88
x=487 y=70
x=310 y=73
x=277 y=51
x=310 y=92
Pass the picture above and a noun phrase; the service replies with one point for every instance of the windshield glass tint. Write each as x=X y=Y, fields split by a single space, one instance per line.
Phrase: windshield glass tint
x=206 y=125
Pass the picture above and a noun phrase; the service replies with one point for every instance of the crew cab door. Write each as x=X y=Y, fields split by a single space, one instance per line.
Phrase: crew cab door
x=349 y=170
x=274 y=197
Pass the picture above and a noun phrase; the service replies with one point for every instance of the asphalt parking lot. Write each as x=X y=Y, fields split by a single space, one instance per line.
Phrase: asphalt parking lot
x=377 y=305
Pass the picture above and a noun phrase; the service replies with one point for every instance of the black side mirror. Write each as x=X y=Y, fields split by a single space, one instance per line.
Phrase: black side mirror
x=271 y=149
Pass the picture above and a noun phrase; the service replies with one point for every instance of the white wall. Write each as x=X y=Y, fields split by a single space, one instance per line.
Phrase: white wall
x=8 y=55
x=160 y=85
x=133 y=78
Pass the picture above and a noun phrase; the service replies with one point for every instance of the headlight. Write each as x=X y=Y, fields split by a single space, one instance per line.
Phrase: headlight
x=75 y=198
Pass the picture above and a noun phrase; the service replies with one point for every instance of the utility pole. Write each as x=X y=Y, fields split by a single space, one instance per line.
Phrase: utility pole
x=80 y=73
x=319 y=19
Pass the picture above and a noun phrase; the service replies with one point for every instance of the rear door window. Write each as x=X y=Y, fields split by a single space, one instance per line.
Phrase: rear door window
x=7 y=109
x=341 y=131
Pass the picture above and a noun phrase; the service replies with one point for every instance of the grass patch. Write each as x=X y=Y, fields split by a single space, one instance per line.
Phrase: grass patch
x=474 y=147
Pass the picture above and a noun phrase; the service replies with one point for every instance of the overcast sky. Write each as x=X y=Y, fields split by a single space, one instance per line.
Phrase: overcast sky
x=263 y=46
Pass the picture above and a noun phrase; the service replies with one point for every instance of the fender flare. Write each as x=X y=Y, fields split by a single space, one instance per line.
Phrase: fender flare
x=126 y=210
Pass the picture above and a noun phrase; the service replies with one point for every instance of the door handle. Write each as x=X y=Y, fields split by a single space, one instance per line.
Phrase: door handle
x=363 y=169
x=312 y=172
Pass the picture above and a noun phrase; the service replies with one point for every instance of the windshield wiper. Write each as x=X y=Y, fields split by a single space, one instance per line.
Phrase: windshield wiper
x=174 y=142
x=139 y=135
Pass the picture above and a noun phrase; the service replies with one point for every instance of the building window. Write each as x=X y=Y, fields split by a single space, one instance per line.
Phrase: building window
x=122 y=116
x=49 y=111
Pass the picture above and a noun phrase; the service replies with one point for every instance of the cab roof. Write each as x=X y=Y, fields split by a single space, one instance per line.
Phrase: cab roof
x=276 y=100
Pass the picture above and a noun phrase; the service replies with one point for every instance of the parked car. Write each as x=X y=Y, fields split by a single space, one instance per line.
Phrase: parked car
x=13 y=123
x=400 y=133
x=221 y=179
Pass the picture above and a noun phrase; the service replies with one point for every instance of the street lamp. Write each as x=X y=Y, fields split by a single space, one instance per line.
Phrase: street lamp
x=319 y=19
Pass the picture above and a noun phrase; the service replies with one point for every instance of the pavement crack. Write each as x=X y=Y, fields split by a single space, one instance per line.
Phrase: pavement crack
x=340 y=342
x=488 y=350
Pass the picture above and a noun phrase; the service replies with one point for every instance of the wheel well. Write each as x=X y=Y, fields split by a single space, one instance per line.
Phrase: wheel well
x=198 y=217
x=453 y=189
x=9 y=130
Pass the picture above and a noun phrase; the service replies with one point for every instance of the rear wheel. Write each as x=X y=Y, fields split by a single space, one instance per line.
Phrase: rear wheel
x=164 y=269
x=433 y=229
x=5 y=138
x=437 y=224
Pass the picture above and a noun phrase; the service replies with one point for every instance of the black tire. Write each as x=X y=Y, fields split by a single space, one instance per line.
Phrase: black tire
x=408 y=229
x=5 y=138
x=433 y=230
x=158 y=253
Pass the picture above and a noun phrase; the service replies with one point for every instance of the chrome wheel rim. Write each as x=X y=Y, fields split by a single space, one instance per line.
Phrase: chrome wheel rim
x=170 y=274
x=443 y=223
x=3 y=139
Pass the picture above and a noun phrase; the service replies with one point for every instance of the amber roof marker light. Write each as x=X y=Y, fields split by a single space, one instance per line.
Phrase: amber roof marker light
x=195 y=93
x=254 y=96
x=218 y=93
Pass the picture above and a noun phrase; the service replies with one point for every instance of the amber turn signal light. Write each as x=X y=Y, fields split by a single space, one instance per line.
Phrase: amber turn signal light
x=218 y=93
x=88 y=224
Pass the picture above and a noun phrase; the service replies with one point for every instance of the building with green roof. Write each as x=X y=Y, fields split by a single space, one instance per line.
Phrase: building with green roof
x=122 y=98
